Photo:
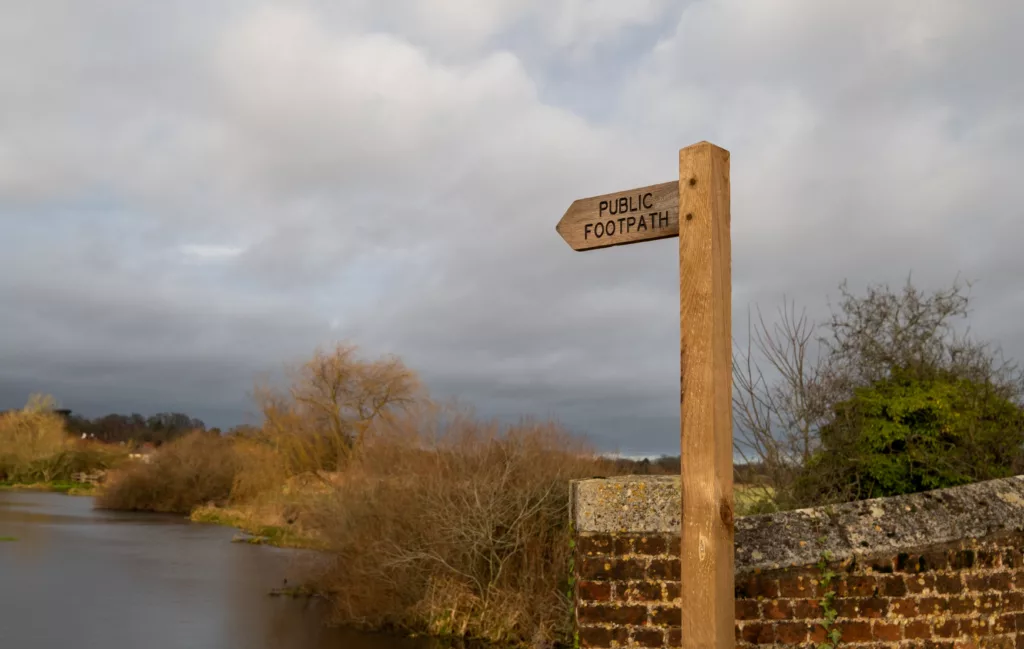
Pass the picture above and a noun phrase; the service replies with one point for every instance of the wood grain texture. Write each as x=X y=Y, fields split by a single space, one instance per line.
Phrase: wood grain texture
x=705 y=323
x=649 y=213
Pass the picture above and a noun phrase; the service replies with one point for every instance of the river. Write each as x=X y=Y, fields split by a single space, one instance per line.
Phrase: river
x=77 y=578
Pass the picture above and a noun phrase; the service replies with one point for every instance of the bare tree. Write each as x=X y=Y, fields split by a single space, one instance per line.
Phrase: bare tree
x=331 y=404
x=779 y=400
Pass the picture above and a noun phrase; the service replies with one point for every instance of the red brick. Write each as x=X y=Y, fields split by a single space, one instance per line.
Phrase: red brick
x=806 y=609
x=873 y=607
x=817 y=635
x=674 y=637
x=623 y=545
x=778 y=610
x=757 y=633
x=917 y=630
x=934 y=560
x=605 y=614
x=664 y=569
x=672 y=590
x=905 y=607
x=962 y=559
x=1006 y=623
x=949 y=584
x=932 y=605
x=855 y=631
x=960 y=605
x=996 y=642
x=1012 y=601
x=674 y=545
x=747 y=609
x=595 y=591
x=757 y=586
x=667 y=616
x=846 y=607
x=1011 y=558
x=886 y=632
x=989 y=602
x=861 y=607
x=972 y=626
x=646 y=637
x=976 y=582
x=638 y=591
x=595 y=545
x=596 y=636
x=947 y=629
x=791 y=633
x=917 y=584
x=856 y=586
x=796 y=587
x=1000 y=581
x=598 y=569
x=990 y=558
x=892 y=586
x=653 y=545
x=939 y=644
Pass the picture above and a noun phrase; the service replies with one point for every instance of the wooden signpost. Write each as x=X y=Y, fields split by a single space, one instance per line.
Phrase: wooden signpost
x=696 y=209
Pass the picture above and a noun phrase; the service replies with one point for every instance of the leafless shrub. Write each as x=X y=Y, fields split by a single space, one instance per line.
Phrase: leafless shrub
x=196 y=469
x=446 y=524
x=30 y=435
x=261 y=471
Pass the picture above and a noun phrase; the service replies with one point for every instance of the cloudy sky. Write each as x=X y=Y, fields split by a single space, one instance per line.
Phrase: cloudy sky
x=194 y=192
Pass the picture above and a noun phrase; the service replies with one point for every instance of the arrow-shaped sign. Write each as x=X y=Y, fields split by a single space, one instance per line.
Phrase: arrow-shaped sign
x=631 y=216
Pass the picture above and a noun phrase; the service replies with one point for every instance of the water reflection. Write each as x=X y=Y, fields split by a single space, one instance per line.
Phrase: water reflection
x=80 y=578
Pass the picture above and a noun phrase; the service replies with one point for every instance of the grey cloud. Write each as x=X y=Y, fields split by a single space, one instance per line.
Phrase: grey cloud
x=407 y=190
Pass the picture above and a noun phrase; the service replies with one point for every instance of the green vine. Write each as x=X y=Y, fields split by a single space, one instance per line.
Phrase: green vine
x=832 y=632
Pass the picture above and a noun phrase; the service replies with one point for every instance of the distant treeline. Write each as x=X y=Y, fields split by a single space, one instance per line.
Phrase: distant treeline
x=115 y=428
x=670 y=465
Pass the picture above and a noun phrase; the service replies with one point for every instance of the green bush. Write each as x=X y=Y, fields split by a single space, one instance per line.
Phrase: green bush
x=907 y=434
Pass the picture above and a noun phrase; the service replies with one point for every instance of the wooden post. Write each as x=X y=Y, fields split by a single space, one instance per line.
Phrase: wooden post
x=705 y=398
x=696 y=209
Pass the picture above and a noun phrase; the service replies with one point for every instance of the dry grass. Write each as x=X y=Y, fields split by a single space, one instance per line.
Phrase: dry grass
x=450 y=526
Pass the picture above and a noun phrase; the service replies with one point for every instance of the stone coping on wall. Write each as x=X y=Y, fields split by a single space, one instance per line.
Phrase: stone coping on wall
x=638 y=504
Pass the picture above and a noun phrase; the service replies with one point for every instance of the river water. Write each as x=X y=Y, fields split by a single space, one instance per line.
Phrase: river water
x=77 y=578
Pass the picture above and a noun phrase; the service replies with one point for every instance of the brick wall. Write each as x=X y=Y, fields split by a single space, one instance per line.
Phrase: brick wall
x=902 y=578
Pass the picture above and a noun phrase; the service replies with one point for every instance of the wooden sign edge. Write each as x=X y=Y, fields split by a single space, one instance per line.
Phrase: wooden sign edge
x=561 y=221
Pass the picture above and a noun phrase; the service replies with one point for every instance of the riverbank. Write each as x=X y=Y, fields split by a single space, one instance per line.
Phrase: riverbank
x=67 y=488
x=258 y=530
